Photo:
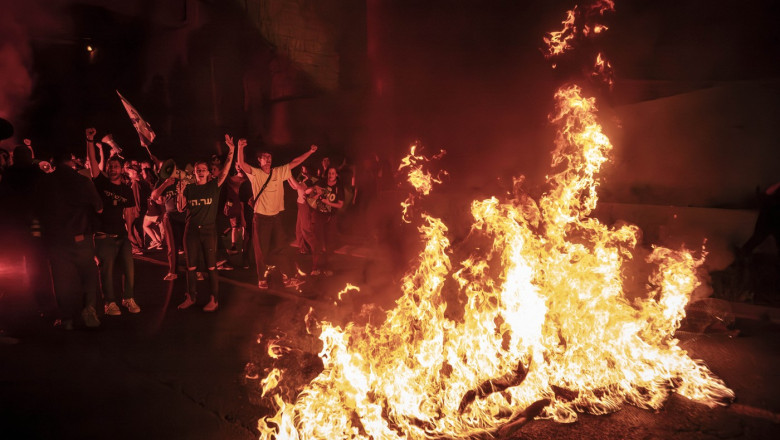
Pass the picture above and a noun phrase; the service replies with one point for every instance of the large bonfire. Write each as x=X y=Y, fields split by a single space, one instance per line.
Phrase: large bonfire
x=546 y=331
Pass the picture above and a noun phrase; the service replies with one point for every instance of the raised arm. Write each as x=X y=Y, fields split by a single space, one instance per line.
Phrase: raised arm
x=155 y=161
x=228 y=162
x=102 y=163
x=294 y=184
x=241 y=159
x=94 y=167
x=298 y=160
x=181 y=201
x=158 y=192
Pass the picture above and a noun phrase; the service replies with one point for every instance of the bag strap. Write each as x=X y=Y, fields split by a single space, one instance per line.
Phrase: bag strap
x=254 y=199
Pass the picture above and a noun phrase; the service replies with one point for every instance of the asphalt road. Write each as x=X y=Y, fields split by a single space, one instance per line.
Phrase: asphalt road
x=166 y=373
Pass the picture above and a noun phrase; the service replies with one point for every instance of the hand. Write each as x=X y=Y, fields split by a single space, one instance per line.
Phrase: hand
x=229 y=141
x=91 y=133
x=313 y=148
x=241 y=143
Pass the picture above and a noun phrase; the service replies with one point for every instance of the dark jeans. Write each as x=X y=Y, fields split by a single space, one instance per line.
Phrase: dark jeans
x=247 y=244
x=74 y=276
x=324 y=230
x=200 y=242
x=108 y=250
x=174 y=231
x=265 y=229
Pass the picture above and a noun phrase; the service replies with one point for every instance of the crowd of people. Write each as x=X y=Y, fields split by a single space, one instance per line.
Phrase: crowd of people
x=89 y=217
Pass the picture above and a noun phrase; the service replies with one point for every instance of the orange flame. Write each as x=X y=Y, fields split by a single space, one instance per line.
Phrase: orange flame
x=349 y=287
x=421 y=180
x=559 y=42
x=547 y=299
x=276 y=350
x=271 y=381
x=579 y=23
x=602 y=71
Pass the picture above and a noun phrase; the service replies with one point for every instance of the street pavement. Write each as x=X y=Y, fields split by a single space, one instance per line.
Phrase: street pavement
x=167 y=373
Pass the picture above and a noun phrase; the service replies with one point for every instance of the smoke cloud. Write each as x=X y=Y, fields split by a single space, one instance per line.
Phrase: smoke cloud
x=22 y=23
x=16 y=80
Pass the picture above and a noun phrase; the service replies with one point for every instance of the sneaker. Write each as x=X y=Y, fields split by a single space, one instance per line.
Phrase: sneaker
x=89 y=315
x=112 y=309
x=153 y=245
x=170 y=277
x=225 y=266
x=137 y=251
x=262 y=285
x=199 y=276
x=130 y=305
x=188 y=301
x=232 y=251
x=211 y=306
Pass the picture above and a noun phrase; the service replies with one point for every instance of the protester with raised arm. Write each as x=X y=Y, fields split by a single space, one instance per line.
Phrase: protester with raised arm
x=200 y=201
x=268 y=194
x=111 y=241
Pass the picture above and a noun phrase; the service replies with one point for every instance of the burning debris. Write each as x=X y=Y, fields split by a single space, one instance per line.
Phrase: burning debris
x=546 y=329
x=551 y=335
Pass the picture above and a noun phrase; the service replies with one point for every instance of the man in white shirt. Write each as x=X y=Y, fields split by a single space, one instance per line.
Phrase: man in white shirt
x=268 y=194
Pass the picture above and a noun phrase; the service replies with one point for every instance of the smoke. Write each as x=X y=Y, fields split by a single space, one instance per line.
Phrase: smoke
x=23 y=24
x=16 y=78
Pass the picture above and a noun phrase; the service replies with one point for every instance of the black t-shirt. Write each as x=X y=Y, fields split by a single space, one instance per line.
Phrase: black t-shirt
x=169 y=202
x=66 y=204
x=153 y=209
x=333 y=193
x=144 y=191
x=115 y=199
x=202 y=202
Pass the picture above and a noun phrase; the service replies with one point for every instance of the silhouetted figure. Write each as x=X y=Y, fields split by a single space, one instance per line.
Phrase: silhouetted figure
x=768 y=221
x=66 y=203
